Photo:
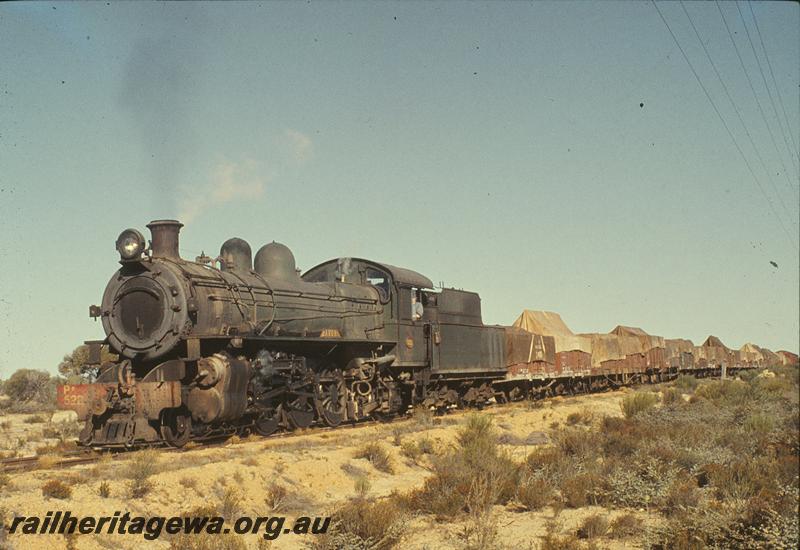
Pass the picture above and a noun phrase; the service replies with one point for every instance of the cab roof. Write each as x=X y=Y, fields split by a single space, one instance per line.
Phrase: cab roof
x=400 y=275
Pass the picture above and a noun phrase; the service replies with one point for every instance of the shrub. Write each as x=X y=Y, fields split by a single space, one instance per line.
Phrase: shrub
x=45 y=462
x=279 y=499
x=534 y=493
x=207 y=541
x=686 y=382
x=411 y=450
x=471 y=477
x=35 y=419
x=578 y=442
x=56 y=489
x=741 y=479
x=230 y=503
x=670 y=396
x=104 y=490
x=724 y=390
x=626 y=525
x=593 y=526
x=276 y=496
x=480 y=531
x=585 y=417
x=377 y=456
x=682 y=494
x=637 y=402
x=582 y=489
x=759 y=423
x=363 y=524
x=426 y=445
x=641 y=482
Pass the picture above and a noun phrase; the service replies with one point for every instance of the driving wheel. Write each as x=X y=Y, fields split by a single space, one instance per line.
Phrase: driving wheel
x=176 y=428
x=299 y=410
x=330 y=401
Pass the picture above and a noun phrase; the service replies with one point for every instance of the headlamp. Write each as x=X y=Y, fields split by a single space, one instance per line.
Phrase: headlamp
x=130 y=244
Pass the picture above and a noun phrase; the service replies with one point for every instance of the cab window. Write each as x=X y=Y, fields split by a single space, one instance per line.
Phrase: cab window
x=380 y=280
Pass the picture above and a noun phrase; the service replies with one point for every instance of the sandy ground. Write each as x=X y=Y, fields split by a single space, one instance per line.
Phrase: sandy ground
x=318 y=470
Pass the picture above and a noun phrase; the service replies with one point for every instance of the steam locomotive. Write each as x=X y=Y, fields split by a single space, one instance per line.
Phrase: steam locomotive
x=236 y=344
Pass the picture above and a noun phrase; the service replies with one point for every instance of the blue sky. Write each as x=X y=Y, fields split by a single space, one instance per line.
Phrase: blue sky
x=498 y=147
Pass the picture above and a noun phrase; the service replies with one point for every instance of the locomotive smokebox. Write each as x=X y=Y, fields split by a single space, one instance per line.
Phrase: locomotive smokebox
x=165 y=238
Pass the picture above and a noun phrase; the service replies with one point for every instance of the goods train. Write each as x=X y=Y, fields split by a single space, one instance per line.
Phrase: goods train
x=240 y=344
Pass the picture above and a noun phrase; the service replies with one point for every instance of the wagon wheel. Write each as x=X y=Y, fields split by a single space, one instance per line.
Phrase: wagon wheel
x=331 y=402
x=299 y=410
x=267 y=423
x=176 y=429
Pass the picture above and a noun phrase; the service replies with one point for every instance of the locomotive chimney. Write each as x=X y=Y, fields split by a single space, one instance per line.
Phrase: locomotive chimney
x=164 y=243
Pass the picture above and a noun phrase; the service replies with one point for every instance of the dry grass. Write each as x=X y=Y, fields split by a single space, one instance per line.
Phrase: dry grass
x=362 y=486
x=5 y=481
x=48 y=461
x=352 y=470
x=593 y=526
x=140 y=467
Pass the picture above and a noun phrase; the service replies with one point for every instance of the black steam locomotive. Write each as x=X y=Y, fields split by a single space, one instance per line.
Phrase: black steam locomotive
x=234 y=344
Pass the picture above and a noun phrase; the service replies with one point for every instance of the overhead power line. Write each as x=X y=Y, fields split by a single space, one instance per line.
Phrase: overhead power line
x=792 y=186
x=724 y=124
x=736 y=110
x=764 y=79
x=774 y=81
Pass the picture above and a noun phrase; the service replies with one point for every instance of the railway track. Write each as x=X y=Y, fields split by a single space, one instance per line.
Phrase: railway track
x=88 y=456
